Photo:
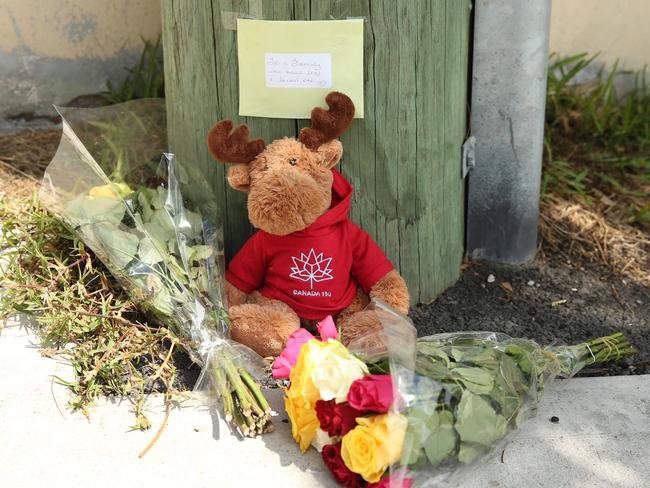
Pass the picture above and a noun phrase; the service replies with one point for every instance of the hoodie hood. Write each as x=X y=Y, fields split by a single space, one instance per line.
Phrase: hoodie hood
x=339 y=208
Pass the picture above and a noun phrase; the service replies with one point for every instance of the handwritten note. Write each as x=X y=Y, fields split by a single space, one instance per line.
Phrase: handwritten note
x=298 y=70
x=286 y=68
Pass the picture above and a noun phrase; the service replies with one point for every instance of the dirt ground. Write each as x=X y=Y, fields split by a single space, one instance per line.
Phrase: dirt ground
x=553 y=300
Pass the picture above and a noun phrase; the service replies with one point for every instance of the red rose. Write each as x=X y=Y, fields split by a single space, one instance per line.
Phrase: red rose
x=395 y=480
x=336 y=418
x=373 y=392
x=332 y=457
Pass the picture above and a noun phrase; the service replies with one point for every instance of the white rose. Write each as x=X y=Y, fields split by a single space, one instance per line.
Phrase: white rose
x=335 y=369
x=321 y=439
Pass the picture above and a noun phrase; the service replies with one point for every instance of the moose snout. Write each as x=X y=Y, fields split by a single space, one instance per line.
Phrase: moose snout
x=286 y=200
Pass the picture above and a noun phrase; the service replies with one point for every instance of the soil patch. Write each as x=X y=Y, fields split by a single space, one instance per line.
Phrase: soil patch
x=552 y=301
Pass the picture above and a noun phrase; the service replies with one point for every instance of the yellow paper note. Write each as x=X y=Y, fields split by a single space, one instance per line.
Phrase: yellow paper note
x=287 y=67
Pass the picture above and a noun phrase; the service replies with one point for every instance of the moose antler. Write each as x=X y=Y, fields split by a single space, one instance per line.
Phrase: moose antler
x=233 y=147
x=328 y=124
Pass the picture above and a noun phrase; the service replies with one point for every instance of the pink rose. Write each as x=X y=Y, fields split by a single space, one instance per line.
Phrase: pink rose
x=395 y=480
x=373 y=392
x=327 y=329
x=287 y=359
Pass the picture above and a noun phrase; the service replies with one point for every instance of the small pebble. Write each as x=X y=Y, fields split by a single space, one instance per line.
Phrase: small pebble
x=640 y=302
x=531 y=283
x=574 y=289
x=491 y=278
x=554 y=419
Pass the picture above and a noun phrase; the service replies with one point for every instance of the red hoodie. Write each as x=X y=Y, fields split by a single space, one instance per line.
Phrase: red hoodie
x=315 y=271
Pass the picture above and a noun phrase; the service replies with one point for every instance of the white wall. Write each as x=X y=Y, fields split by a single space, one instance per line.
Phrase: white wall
x=619 y=29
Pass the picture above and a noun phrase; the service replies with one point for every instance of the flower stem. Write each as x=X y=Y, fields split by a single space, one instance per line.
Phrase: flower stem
x=600 y=350
x=255 y=390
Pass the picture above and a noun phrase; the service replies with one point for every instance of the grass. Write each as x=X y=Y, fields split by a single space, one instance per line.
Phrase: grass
x=597 y=141
x=80 y=313
x=145 y=79
x=596 y=172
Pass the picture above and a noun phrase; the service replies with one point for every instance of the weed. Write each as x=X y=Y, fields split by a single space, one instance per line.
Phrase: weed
x=597 y=141
x=145 y=79
x=46 y=273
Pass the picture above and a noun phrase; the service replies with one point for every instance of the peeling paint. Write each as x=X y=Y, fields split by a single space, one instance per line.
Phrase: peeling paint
x=77 y=30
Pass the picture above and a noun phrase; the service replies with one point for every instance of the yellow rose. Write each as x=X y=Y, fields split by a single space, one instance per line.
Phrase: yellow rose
x=304 y=422
x=300 y=376
x=108 y=191
x=302 y=395
x=335 y=369
x=373 y=445
x=105 y=191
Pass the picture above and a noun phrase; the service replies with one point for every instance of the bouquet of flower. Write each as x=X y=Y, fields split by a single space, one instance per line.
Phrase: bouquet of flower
x=401 y=414
x=151 y=222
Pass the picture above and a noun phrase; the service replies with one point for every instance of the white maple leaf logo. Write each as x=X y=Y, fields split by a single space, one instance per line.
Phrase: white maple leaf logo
x=311 y=267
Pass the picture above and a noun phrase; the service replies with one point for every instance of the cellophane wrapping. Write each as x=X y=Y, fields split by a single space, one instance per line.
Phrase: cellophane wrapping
x=462 y=393
x=152 y=221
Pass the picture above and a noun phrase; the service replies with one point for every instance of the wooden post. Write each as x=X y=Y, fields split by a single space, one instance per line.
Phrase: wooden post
x=403 y=158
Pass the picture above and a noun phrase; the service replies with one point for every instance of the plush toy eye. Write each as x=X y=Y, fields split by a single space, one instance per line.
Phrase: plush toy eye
x=292 y=162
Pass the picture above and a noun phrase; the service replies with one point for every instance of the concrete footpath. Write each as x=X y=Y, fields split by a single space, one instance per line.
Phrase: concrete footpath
x=602 y=438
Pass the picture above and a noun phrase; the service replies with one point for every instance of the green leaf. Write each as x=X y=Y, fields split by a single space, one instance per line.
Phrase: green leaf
x=201 y=281
x=172 y=246
x=178 y=271
x=469 y=452
x=163 y=302
x=200 y=252
x=84 y=210
x=457 y=354
x=412 y=451
x=148 y=252
x=144 y=200
x=522 y=356
x=162 y=219
x=509 y=401
x=119 y=247
x=196 y=221
x=512 y=375
x=442 y=440
x=486 y=359
x=477 y=421
x=476 y=380
x=432 y=368
x=422 y=420
x=156 y=232
x=158 y=198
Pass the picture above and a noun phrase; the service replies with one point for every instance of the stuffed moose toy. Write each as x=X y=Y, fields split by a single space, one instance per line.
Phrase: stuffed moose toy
x=307 y=260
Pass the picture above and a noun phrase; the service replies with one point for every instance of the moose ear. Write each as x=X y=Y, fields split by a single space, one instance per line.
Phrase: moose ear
x=330 y=153
x=239 y=177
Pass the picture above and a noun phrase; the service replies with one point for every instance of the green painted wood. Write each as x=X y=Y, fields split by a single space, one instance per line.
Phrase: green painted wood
x=403 y=158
